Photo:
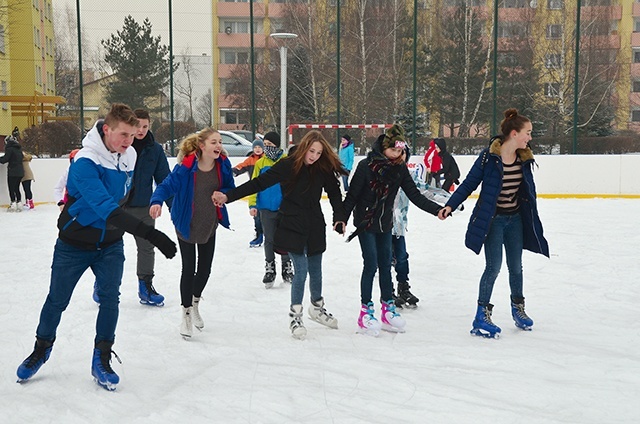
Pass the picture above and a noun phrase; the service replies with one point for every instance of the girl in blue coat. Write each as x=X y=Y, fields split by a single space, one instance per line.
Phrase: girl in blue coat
x=201 y=170
x=505 y=214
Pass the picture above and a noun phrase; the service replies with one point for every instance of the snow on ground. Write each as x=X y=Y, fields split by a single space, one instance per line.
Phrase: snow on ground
x=580 y=364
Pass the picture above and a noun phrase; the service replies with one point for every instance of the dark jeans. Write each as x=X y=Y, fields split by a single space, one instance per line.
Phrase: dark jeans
x=401 y=257
x=26 y=186
x=257 y=224
x=194 y=280
x=505 y=230
x=13 y=183
x=345 y=182
x=376 y=255
x=69 y=263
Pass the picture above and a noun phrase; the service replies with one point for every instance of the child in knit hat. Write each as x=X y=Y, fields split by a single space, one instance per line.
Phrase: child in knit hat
x=247 y=166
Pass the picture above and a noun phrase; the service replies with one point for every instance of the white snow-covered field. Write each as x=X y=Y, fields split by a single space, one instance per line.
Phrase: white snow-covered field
x=580 y=364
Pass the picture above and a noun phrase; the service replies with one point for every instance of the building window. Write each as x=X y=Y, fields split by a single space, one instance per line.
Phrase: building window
x=551 y=89
x=508 y=59
x=240 y=27
x=554 y=31
x=635 y=115
x=636 y=87
x=512 y=30
x=587 y=3
x=552 y=60
x=2 y=39
x=513 y=4
x=636 y=56
x=555 y=4
x=239 y=57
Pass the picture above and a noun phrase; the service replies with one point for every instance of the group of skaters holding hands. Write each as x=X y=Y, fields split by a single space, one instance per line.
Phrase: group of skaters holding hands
x=284 y=192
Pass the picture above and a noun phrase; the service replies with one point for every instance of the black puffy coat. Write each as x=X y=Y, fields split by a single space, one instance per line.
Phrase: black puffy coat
x=13 y=157
x=361 y=195
x=300 y=220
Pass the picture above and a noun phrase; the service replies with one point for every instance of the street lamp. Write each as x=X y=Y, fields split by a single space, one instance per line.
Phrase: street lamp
x=283 y=81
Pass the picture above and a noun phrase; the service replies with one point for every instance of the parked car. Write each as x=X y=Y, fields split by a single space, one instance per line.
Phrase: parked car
x=247 y=134
x=236 y=145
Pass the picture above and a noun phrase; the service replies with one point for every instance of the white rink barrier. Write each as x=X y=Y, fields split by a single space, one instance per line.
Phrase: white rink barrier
x=555 y=176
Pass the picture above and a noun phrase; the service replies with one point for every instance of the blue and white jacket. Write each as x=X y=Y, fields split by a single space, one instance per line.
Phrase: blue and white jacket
x=488 y=170
x=98 y=184
x=180 y=185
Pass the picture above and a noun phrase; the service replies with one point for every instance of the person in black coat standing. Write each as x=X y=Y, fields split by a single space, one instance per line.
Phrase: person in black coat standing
x=372 y=193
x=301 y=228
x=15 y=171
x=449 y=168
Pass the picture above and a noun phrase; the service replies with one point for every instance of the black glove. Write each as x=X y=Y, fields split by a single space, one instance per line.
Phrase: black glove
x=236 y=172
x=162 y=242
x=340 y=228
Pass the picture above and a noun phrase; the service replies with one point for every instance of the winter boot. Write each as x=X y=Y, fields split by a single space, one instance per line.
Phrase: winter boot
x=405 y=296
x=12 y=207
x=186 y=327
x=148 y=294
x=482 y=324
x=319 y=314
x=520 y=317
x=287 y=271
x=296 y=326
x=19 y=206
x=257 y=241
x=31 y=365
x=367 y=323
x=269 y=274
x=101 y=365
x=197 y=320
x=391 y=320
x=30 y=204
x=96 y=297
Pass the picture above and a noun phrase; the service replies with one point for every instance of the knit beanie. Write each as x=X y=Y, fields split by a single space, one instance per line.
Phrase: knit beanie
x=257 y=142
x=273 y=137
x=394 y=137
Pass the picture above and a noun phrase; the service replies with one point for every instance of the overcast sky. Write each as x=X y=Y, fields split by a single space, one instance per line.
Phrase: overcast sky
x=191 y=20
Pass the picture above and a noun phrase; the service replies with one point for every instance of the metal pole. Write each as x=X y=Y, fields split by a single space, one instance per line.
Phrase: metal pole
x=80 y=79
x=283 y=94
x=415 y=73
x=576 y=77
x=253 y=74
x=495 y=68
x=338 y=72
x=171 y=78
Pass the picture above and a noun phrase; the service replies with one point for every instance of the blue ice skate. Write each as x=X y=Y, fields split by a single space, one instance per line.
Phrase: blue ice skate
x=30 y=366
x=148 y=294
x=101 y=369
x=257 y=242
x=520 y=317
x=482 y=324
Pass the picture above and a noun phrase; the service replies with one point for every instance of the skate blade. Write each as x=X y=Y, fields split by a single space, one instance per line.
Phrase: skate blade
x=482 y=333
x=523 y=327
x=255 y=245
x=410 y=306
x=268 y=285
x=326 y=324
x=146 y=302
x=299 y=335
x=392 y=329
x=107 y=386
x=371 y=332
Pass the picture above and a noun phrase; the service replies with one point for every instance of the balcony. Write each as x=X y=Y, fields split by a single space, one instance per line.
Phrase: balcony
x=236 y=40
x=239 y=10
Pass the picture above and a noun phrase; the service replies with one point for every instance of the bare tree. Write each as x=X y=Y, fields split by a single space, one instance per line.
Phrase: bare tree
x=185 y=87
x=204 y=110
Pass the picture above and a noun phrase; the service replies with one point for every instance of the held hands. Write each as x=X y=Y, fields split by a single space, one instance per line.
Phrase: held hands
x=339 y=227
x=219 y=198
x=253 y=211
x=155 y=211
x=444 y=213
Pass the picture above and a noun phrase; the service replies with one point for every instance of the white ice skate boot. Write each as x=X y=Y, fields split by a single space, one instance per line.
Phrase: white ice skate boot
x=319 y=314
x=296 y=326
x=391 y=320
x=197 y=320
x=367 y=323
x=186 y=327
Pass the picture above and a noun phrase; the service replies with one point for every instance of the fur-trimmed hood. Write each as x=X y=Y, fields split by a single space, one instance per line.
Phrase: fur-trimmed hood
x=523 y=154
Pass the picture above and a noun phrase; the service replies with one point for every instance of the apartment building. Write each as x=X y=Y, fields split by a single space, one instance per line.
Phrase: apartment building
x=27 y=72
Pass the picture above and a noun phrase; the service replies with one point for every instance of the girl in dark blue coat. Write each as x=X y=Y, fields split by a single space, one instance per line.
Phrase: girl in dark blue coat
x=506 y=214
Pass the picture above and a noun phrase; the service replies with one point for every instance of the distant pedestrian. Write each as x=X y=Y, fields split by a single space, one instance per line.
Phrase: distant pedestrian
x=15 y=171
x=346 y=157
x=27 y=179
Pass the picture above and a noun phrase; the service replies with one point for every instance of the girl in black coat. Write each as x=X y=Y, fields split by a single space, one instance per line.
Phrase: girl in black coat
x=301 y=228
x=15 y=171
x=449 y=168
x=372 y=192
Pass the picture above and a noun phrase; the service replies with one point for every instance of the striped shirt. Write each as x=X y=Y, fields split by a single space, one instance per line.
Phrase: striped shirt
x=511 y=180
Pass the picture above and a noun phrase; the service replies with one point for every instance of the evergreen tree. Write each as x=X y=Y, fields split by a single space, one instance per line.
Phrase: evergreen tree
x=405 y=118
x=139 y=62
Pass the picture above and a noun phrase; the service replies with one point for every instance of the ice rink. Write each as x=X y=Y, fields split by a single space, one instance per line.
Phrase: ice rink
x=580 y=364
